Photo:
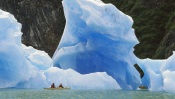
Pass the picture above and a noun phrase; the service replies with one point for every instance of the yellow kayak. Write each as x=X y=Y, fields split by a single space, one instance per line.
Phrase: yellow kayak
x=58 y=88
x=143 y=88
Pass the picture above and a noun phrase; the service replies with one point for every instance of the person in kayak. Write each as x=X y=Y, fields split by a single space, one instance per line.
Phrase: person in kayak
x=53 y=85
x=61 y=86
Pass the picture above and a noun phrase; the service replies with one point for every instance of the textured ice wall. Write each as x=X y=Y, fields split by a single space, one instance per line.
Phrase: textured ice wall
x=12 y=60
x=71 y=78
x=98 y=38
x=152 y=75
x=26 y=67
x=18 y=63
x=159 y=74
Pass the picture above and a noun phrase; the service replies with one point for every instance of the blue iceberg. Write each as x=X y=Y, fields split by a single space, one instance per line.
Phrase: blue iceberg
x=159 y=74
x=96 y=50
x=26 y=67
x=98 y=38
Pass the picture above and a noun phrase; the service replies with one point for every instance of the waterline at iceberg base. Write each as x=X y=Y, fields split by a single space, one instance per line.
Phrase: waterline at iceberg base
x=96 y=50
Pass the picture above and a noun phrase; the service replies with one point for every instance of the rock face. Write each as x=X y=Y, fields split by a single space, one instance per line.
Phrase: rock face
x=167 y=46
x=42 y=21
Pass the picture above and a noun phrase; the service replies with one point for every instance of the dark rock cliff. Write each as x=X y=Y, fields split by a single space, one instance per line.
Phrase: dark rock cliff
x=43 y=23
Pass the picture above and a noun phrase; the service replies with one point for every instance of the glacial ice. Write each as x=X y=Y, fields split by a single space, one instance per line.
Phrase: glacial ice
x=26 y=67
x=159 y=74
x=12 y=60
x=98 y=38
x=152 y=75
x=97 y=42
x=69 y=78
x=98 y=80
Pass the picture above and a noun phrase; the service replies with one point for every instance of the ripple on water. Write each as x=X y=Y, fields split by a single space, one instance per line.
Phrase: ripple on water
x=81 y=94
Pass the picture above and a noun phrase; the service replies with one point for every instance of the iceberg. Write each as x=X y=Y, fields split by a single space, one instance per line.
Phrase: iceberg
x=98 y=38
x=152 y=75
x=74 y=80
x=69 y=78
x=159 y=74
x=95 y=52
x=13 y=66
x=26 y=67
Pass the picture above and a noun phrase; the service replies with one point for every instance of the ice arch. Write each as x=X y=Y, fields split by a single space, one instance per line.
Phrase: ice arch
x=98 y=38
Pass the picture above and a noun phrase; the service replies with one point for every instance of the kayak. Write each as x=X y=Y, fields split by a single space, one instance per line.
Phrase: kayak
x=58 y=88
x=143 y=88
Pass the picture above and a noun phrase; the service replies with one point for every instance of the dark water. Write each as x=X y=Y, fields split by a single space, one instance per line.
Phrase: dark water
x=81 y=94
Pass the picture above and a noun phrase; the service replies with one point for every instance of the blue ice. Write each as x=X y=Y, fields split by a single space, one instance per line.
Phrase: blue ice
x=98 y=38
x=96 y=50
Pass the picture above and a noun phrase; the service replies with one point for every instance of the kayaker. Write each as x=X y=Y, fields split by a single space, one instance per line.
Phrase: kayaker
x=53 y=85
x=61 y=86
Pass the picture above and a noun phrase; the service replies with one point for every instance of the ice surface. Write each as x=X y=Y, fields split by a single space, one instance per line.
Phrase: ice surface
x=26 y=67
x=152 y=75
x=39 y=59
x=97 y=42
x=98 y=38
x=13 y=66
x=159 y=74
x=75 y=80
x=168 y=73
x=69 y=78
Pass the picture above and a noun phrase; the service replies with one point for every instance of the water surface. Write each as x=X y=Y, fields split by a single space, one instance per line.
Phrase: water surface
x=81 y=94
